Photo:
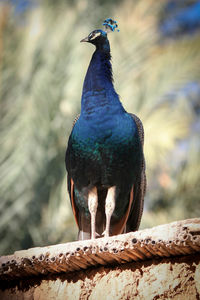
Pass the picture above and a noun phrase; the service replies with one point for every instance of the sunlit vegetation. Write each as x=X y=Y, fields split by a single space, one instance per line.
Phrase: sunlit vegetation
x=42 y=67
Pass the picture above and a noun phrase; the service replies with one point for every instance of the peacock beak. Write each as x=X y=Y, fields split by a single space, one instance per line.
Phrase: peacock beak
x=85 y=40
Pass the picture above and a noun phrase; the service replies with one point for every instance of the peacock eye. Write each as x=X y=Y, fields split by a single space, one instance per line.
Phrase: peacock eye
x=90 y=36
x=94 y=35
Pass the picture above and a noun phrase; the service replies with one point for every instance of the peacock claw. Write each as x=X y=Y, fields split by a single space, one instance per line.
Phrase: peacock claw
x=105 y=233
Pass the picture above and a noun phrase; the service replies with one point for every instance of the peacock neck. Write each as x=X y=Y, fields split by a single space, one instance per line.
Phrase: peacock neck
x=99 y=73
x=98 y=88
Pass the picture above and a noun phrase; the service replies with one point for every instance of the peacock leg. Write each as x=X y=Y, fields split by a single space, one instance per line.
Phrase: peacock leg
x=92 y=205
x=109 y=208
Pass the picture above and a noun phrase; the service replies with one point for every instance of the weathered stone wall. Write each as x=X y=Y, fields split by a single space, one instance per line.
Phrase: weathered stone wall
x=158 y=263
x=171 y=278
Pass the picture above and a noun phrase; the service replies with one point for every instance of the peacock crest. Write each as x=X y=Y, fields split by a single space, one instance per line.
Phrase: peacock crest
x=110 y=25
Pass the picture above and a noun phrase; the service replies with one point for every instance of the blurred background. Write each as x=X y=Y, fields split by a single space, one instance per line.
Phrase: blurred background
x=156 y=63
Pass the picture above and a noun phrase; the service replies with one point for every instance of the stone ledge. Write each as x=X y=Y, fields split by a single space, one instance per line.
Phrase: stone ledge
x=174 y=239
x=176 y=278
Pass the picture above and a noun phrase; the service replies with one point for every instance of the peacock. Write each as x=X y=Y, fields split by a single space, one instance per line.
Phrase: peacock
x=104 y=157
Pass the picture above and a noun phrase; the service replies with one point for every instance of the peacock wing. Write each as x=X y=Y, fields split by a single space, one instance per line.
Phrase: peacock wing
x=135 y=215
x=81 y=221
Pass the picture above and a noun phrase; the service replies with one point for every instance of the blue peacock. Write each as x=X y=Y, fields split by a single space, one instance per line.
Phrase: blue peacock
x=104 y=157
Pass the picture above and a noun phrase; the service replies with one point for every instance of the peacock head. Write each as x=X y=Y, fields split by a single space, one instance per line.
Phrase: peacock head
x=99 y=37
x=96 y=37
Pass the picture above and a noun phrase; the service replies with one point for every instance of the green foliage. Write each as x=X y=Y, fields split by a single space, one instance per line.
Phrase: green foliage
x=42 y=71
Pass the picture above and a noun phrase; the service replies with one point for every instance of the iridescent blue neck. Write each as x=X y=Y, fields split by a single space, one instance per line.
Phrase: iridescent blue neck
x=98 y=90
x=99 y=73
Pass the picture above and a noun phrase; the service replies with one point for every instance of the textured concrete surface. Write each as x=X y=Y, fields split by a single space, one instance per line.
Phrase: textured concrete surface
x=158 y=263
x=169 y=278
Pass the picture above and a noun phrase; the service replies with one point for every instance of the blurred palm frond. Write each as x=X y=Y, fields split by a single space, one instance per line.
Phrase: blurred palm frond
x=42 y=71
